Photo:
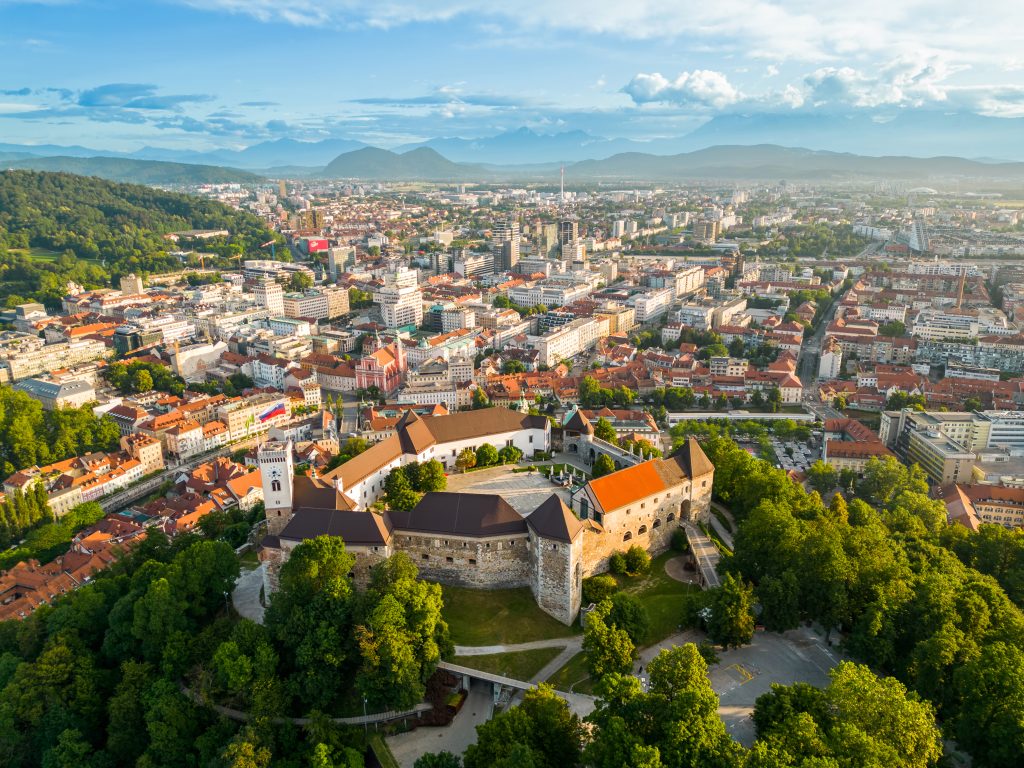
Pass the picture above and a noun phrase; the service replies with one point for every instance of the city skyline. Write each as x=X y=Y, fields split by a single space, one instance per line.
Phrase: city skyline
x=225 y=73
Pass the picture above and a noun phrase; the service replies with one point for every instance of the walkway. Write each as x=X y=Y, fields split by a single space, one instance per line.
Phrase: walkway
x=246 y=595
x=720 y=529
x=705 y=553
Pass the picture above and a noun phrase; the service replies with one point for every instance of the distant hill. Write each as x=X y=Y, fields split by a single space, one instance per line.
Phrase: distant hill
x=524 y=146
x=775 y=162
x=267 y=154
x=916 y=133
x=136 y=171
x=422 y=164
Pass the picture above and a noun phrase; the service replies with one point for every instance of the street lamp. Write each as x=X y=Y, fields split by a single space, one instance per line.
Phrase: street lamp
x=366 y=728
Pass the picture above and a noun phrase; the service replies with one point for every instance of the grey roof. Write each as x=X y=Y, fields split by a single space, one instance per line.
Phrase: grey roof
x=460 y=514
x=554 y=520
x=53 y=389
x=355 y=528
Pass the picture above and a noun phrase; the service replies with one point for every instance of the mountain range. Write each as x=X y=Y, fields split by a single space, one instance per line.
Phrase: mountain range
x=913 y=133
x=764 y=162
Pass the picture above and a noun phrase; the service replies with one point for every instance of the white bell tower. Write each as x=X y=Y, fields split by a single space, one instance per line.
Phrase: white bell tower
x=277 y=473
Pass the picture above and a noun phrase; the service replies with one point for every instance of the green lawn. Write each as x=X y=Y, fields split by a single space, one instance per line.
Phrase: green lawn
x=520 y=665
x=573 y=675
x=498 y=617
x=249 y=561
x=664 y=597
x=38 y=254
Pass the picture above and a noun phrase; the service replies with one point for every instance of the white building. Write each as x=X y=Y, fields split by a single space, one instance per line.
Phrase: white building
x=270 y=295
x=651 y=305
x=400 y=299
x=570 y=339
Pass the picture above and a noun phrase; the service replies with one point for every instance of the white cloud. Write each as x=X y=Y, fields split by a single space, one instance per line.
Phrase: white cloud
x=702 y=87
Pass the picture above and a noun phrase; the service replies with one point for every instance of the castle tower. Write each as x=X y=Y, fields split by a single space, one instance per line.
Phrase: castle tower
x=277 y=473
x=556 y=559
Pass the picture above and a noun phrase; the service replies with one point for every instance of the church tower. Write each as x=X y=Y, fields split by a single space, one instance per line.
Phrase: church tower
x=277 y=472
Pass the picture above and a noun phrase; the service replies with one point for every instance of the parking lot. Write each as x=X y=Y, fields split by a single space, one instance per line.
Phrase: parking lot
x=799 y=656
x=793 y=455
x=523 y=490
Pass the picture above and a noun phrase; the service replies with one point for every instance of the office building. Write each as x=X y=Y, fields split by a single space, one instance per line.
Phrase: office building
x=400 y=299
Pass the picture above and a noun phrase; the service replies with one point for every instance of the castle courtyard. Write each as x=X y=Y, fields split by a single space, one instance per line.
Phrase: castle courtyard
x=525 y=491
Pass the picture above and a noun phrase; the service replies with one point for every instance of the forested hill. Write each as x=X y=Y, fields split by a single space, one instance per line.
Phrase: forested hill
x=56 y=227
x=137 y=171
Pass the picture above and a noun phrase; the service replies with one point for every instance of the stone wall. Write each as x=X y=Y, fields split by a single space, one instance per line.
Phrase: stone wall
x=491 y=563
x=557 y=576
x=649 y=526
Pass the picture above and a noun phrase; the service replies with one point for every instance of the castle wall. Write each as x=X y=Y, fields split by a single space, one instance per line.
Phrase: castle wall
x=557 y=576
x=491 y=563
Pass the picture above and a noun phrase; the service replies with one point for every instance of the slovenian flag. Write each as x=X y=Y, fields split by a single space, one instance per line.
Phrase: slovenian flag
x=277 y=410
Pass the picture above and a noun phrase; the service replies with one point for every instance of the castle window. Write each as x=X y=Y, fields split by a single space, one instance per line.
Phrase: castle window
x=643 y=505
x=450 y=559
x=642 y=531
x=275 y=485
x=554 y=547
x=671 y=516
x=424 y=556
x=655 y=499
x=627 y=536
x=656 y=524
x=472 y=561
x=704 y=484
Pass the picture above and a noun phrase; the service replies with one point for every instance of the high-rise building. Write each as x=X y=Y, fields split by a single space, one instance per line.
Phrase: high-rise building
x=338 y=259
x=270 y=294
x=400 y=299
x=505 y=239
x=568 y=231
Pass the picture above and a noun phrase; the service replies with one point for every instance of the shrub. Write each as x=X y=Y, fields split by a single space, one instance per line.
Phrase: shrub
x=617 y=564
x=679 y=542
x=637 y=560
x=598 y=588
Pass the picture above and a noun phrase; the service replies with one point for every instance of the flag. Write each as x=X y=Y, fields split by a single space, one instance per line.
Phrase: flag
x=277 y=409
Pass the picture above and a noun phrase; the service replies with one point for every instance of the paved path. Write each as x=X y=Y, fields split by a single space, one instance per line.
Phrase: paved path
x=722 y=532
x=559 y=661
x=676 y=569
x=485 y=650
x=454 y=738
x=246 y=596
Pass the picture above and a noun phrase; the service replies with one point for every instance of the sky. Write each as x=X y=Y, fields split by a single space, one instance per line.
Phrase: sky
x=202 y=74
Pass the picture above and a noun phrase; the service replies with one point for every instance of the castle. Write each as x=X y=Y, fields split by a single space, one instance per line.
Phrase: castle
x=480 y=540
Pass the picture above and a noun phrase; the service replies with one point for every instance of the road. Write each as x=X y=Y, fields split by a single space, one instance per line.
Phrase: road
x=807 y=361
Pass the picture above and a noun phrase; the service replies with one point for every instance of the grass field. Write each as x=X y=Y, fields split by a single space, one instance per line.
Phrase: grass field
x=498 y=617
x=39 y=254
x=664 y=597
x=519 y=665
x=573 y=676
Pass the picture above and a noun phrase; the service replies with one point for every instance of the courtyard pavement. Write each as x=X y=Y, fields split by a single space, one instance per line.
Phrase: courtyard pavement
x=525 y=491
x=407 y=747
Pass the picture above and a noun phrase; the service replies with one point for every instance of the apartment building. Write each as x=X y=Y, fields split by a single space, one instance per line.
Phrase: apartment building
x=570 y=339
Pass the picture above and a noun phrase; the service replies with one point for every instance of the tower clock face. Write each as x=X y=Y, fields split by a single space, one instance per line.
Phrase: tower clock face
x=275 y=474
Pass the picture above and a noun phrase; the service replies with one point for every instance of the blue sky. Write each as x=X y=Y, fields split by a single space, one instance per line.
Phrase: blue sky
x=200 y=74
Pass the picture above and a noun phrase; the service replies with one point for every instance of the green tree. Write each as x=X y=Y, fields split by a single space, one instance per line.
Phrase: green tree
x=629 y=613
x=822 y=477
x=990 y=723
x=604 y=430
x=608 y=648
x=438 y=760
x=510 y=454
x=466 y=459
x=398 y=491
x=300 y=281
x=486 y=455
x=480 y=399
x=731 y=623
x=432 y=477
x=603 y=465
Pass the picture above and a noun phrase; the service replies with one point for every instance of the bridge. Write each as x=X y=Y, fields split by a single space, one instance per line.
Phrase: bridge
x=505 y=686
x=706 y=554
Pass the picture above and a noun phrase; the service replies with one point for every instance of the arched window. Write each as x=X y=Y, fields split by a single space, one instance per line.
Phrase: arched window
x=656 y=524
x=628 y=536
x=671 y=516
x=642 y=531
x=275 y=485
